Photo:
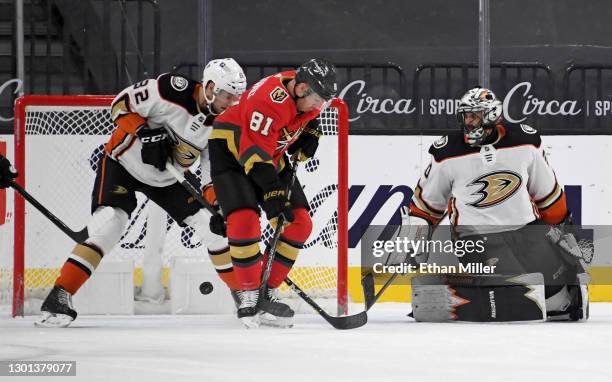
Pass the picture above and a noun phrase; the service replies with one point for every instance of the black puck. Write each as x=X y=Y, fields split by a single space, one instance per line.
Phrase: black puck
x=206 y=287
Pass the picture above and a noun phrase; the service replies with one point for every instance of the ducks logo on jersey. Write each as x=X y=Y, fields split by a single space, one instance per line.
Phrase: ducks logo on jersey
x=495 y=188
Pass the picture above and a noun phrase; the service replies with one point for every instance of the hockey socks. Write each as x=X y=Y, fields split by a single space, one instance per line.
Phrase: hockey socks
x=84 y=259
x=222 y=261
x=290 y=242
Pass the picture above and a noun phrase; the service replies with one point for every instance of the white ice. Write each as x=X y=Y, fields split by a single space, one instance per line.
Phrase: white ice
x=391 y=347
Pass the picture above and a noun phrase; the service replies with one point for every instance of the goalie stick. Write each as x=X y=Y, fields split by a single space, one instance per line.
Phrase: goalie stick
x=341 y=322
x=367 y=282
x=79 y=236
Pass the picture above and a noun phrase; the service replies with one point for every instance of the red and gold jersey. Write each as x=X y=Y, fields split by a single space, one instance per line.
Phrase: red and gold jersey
x=505 y=183
x=265 y=122
x=169 y=102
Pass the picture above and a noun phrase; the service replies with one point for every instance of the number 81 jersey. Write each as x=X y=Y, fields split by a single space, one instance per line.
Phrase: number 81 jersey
x=265 y=122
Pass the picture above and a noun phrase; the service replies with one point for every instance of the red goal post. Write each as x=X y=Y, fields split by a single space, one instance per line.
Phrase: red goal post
x=55 y=142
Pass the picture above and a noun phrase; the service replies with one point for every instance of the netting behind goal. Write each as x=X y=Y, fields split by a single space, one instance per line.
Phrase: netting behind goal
x=59 y=141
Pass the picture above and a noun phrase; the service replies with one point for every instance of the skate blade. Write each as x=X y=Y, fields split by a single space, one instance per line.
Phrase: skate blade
x=159 y=300
x=251 y=322
x=50 y=320
x=275 y=321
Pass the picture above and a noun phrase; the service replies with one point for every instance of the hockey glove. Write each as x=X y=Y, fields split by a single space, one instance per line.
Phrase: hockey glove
x=7 y=172
x=274 y=199
x=577 y=250
x=217 y=225
x=308 y=141
x=156 y=147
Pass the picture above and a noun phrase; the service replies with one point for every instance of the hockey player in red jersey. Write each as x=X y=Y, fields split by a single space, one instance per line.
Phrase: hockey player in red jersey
x=157 y=120
x=495 y=182
x=249 y=169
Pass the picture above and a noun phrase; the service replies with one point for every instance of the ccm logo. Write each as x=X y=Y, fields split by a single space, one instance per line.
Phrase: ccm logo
x=154 y=138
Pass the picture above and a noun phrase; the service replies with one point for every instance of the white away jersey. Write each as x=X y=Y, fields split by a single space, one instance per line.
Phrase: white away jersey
x=505 y=183
x=169 y=102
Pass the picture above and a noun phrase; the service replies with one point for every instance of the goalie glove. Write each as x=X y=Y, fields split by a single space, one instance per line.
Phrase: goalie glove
x=574 y=249
x=7 y=172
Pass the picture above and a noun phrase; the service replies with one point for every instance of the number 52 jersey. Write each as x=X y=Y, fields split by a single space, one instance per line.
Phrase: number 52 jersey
x=507 y=183
x=169 y=102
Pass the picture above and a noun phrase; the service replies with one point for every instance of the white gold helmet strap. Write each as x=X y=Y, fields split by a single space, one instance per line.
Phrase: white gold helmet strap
x=211 y=100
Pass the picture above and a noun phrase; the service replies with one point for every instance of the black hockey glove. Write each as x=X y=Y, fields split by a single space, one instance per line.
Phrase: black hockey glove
x=7 y=172
x=217 y=225
x=308 y=141
x=156 y=147
x=274 y=199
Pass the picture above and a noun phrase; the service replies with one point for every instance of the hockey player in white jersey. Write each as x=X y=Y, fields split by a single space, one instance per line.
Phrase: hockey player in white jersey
x=157 y=120
x=496 y=184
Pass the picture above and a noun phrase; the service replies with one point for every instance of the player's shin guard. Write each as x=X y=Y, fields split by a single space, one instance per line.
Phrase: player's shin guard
x=222 y=261
x=243 y=234
x=289 y=245
x=84 y=259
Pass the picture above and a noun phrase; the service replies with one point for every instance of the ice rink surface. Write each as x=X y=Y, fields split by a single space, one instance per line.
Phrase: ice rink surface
x=391 y=347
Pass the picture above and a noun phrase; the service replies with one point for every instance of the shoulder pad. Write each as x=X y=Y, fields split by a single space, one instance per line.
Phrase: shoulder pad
x=450 y=146
x=517 y=134
x=179 y=90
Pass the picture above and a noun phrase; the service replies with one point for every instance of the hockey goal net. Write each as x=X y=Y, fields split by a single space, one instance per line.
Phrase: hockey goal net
x=58 y=142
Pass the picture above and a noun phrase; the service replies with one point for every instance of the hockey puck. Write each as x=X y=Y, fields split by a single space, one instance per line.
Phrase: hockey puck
x=206 y=287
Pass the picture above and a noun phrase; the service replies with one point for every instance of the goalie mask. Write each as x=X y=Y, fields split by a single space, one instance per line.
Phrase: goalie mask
x=478 y=112
x=227 y=76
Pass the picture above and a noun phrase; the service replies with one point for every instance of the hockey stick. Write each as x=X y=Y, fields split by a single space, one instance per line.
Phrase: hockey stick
x=78 y=237
x=190 y=188
x=367 y=283
x=280 y=222
x=342 y=322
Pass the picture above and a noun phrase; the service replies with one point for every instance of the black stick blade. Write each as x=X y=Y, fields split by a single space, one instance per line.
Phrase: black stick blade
x=342 y=322
x=367 y=283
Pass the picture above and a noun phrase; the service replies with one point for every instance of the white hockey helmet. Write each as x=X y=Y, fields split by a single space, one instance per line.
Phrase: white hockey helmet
x=484 y=103
x=227 y=75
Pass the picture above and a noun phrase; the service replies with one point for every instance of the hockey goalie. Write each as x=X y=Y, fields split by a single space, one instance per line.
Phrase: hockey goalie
x=497 y=186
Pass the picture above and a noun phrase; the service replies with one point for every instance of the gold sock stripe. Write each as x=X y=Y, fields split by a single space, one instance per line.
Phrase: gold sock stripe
x=221 y=258
x=244 y=252
x=288 y=251
x=88 y=254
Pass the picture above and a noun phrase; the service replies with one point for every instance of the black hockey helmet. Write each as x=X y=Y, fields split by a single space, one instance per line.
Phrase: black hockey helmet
x=320 y=75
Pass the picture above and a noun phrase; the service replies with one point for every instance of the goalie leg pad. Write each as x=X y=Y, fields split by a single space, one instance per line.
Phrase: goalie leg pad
x=478 y=298
x=571 y=303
